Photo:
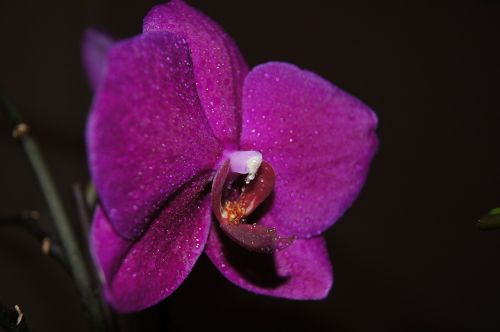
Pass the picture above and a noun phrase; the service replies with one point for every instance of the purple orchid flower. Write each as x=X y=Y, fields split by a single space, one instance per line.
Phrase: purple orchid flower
x=191 y=151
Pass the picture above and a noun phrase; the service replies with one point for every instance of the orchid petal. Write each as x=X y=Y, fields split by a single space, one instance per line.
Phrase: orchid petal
x=141 y=273
x=108 y=248
x=95 y=47
x=219 y=67
x=147 y=134
x=319 y=140
x=301 y=271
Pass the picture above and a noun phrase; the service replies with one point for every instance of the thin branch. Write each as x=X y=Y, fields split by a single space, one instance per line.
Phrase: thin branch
x=489 y=222
x=29 y=220
x=85 y=203
x=79 y=270
x=12 y=319
x=81 y=206
x=90 y=196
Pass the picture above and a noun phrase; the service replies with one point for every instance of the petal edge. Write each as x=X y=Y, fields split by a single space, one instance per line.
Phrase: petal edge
x=147 y=133
x=302 y=271
x=219 y=66
x=95 y=46
x=140 y=274
x=319 y=140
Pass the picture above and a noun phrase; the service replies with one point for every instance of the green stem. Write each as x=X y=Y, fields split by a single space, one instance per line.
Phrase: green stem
x=83 y=212
x=489 y=222
x=79 y=270
x=29 y=221
x=90 y=196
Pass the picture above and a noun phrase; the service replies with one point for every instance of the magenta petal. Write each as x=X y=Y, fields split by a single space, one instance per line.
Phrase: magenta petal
x=95 y=47
x=218 y=65
x=319 y=140
x=142 y=273
x=147 y=134
x=302 y=271
x=108 y=248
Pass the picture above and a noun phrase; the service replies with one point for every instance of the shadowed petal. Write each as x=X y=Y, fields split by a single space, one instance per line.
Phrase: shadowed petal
x=218 y=65
x=319 y=140
x=142 y=273
x=302 y=271
x=108 y=248
x=95 y=47
x=147 y=133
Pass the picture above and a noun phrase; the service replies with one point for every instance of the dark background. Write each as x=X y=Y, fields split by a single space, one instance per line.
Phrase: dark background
x=406 y=256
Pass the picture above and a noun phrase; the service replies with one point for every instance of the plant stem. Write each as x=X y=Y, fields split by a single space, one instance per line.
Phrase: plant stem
x=79 y=270
x=29 y=221
x=489 y=222
x=83 y=213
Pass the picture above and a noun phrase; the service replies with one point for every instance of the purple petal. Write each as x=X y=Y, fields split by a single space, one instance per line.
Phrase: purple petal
x=108 y=248
x=218 y=65
x=142 y=273
x=95 y=47
x=319 y=140
x=302 y=271
x=147 y=133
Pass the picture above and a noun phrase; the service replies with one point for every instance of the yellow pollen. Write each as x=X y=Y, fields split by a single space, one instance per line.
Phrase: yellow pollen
x=234 y=211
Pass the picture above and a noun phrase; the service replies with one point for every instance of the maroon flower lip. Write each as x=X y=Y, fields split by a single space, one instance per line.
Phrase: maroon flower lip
x=168 y=105
x=232 y=202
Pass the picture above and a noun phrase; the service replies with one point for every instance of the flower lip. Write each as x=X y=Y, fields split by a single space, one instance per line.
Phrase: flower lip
x=233 y=200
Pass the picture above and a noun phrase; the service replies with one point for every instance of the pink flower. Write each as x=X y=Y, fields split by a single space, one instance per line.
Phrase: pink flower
x=177 y=124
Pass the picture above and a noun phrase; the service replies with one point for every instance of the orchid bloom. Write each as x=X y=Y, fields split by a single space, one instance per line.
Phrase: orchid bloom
x=191 y=151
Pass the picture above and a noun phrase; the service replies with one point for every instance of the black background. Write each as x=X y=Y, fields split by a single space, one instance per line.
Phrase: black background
x=406 y=256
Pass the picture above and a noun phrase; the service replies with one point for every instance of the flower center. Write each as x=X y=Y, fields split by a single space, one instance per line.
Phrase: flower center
x=234 y=198
x=246 y=162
